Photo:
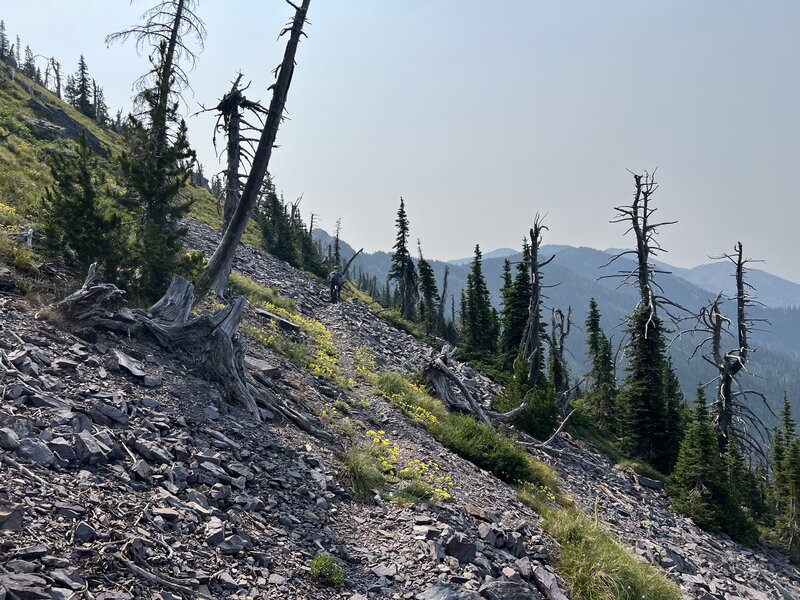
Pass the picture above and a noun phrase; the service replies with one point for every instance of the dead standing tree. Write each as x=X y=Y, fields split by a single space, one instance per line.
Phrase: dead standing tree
x=637 y=215
x=239 y=146
x=731 y=413
x=209 y=341
x=530 y=348
x=644 y=415
x=560 y=327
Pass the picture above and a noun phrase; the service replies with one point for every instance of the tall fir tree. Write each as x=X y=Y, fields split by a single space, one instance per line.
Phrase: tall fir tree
x=81 y=92
x=160 y=160
x=515 y=310
x=675 y=416
x=402 y=270
x=78 y=216
x=276 y=227
x=428 y=294
x=699 y=486
x=4 y=46
x=479 y=321
x=29 y=66
x=602 y=387
x=643 y=411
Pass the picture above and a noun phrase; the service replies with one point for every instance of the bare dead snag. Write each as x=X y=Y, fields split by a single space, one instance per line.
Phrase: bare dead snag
x=221 y=260
x=350 y=262
x=560 y=327
x=209 y=341
x=93 y=300
x=441 y=376
x=730 y=411
x=530 y=348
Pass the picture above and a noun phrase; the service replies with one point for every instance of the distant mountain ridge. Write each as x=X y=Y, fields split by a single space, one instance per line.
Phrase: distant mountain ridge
x=575 y=274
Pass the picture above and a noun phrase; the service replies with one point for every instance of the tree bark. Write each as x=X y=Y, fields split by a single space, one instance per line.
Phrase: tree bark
x=222 y=258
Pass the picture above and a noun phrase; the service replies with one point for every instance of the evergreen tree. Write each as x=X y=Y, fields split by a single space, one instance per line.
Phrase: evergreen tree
x=601 y=389
x=515 y=309
x=80 y=94
x=428 y=294
x=160 y=160
x=402 y=270
x=479 y=322
x=276 y=228
x=337 y=252
x=17 y=50
x=77 y=216
x=786 y=475
x=99 y=106
x=699 y=487
x=29 y=66
x=155 y=180
x=4 y=47
x=643 y=410
x=674 y=405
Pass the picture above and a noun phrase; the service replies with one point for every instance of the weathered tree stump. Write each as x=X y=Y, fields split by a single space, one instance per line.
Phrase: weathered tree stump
x=208 y=342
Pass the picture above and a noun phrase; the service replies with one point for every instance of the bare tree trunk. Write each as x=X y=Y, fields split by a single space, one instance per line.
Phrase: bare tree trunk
x=222 y=258
x=440 y=376
x=530 y=348
x=232 y=173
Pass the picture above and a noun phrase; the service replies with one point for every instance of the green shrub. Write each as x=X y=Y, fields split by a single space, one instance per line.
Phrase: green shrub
x=415 y=491
x=326 y=570
x=642 y=468
x=596 y=567
x=364 y=470
x=192 y=265
x=479 y=443
x=257 y=293
x=462 y=434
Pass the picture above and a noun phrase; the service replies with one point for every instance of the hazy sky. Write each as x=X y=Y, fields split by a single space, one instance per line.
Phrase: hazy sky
x=481 y=113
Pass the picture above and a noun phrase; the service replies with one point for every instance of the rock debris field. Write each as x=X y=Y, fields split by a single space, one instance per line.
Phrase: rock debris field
x=124 y=475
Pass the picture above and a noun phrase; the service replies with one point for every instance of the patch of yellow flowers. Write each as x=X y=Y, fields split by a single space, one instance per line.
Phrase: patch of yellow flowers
x=431 y=473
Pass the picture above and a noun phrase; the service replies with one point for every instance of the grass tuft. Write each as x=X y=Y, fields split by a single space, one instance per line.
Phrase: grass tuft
x=465 y=436
x=326 y=570
x=364 y=470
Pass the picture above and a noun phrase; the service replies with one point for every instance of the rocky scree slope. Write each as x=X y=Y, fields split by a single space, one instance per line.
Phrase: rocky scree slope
x=705 y=565
x=123 y=475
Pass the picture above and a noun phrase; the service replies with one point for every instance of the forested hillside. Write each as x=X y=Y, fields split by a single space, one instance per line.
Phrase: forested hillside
x=202 y=395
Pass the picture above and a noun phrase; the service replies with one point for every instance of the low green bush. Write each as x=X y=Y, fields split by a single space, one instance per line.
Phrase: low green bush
x=364 y=470
x=326 y=570
x=464 y=435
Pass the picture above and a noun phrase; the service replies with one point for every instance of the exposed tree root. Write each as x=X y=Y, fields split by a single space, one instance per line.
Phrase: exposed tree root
x=208 y=342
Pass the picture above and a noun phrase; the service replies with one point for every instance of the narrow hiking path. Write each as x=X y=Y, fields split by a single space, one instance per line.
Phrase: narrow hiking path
x=704 y=564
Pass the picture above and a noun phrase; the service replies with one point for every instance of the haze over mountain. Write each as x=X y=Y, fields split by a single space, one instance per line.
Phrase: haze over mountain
x=575 y=274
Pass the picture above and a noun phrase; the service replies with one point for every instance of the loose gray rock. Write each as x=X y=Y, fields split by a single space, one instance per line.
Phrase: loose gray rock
x=83 y=533
x=444 y=591
x=152 y=452
x=36 y=451
x=88 y=450
x=508 y=590
x=8 y=439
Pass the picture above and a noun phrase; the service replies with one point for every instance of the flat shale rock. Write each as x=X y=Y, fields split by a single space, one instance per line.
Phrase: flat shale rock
x=444 y=591
x=8 y=439
x=36 y=451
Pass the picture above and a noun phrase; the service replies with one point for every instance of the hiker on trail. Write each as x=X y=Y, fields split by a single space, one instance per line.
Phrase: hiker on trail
x=336 y=284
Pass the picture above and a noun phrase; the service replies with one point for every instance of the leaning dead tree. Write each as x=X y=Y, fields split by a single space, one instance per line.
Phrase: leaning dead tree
x=731 y=410
x=221 y=260
x=442 y=378
x=209 y=341
x=530 y=348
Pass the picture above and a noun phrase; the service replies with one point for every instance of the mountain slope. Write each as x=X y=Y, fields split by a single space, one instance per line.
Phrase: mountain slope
x=575 y=276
